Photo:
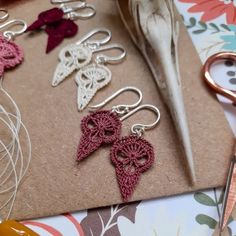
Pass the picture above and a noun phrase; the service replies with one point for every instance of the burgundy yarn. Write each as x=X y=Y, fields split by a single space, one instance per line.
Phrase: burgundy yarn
x=55 y=26
x=10 y=54
x=101 y=127
x=131 y=156
x=64 y=28
x=46 y=18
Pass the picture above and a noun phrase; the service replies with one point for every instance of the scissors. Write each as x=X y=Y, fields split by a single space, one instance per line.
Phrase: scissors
x=229 y=199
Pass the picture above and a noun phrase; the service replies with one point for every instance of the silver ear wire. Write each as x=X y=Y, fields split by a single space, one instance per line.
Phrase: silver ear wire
x=65 y=1
x=83 y=11
x=94 y=44
x=120 y=109
x=10 y=34
x=140 y=128
x=78 y=10
x=103 y=59
x=3 y=15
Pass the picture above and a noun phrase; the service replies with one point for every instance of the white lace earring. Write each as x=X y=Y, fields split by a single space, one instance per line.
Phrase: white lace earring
x=96 y=75
x=75 y=56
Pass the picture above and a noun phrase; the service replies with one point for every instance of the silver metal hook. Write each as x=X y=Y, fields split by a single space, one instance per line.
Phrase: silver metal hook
x=96 y=43
x=3 y=16
x=120 y=109
x=10 y=34
x=65 y=1
x=140 y=128
x=103 y=59
x=71 y=10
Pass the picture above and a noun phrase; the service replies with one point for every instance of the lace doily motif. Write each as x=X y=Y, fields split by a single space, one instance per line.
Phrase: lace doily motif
x=10 y=54
x=89 y=80
x=72 y=57
x=131 y=156
x=101 y=127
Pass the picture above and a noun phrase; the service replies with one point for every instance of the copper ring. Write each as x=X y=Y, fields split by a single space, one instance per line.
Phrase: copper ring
x=208 y=79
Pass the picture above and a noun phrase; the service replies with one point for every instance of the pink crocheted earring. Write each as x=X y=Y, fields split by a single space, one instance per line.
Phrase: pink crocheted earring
x=132 y=155
x=103 y=126
x=10 y=53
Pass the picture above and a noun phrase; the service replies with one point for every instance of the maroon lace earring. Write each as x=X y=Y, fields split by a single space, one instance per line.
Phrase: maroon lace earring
x=10 y=53
x=103 y=126
x=58 y=22
x=132 y=155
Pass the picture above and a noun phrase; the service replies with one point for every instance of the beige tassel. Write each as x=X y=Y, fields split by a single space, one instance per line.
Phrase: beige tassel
x=154 y=29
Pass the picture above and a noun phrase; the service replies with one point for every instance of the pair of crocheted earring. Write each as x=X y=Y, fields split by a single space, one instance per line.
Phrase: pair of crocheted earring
x=92 y=74
x=131 y=155
x=58 y=22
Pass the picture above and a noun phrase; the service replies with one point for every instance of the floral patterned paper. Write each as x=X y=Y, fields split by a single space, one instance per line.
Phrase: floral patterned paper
x=212 y=27
x=212 y=9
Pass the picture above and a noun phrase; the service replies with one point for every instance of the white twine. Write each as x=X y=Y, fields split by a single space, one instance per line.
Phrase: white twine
x=14 y=161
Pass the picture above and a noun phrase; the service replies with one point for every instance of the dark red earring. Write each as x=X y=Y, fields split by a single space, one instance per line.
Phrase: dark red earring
x=132 y=155
x=56 y=26
x=65 y=28
x=103 y=127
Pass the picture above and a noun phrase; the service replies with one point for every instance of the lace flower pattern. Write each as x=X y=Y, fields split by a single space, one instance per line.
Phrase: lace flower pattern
x=131 y=156
x=101 y=127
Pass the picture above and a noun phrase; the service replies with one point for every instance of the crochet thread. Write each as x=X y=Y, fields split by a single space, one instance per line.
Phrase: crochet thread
x=101 y=127
x=131 y=155
x=10 y=54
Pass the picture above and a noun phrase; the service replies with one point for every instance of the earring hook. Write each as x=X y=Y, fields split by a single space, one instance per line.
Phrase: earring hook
x=94 y=44
x=140 y=128
x=86 y=10
x=120 y=109
x=10 y=34
x=71 y=9
x=102 y=59
x=4 y=16
x=65 y=1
